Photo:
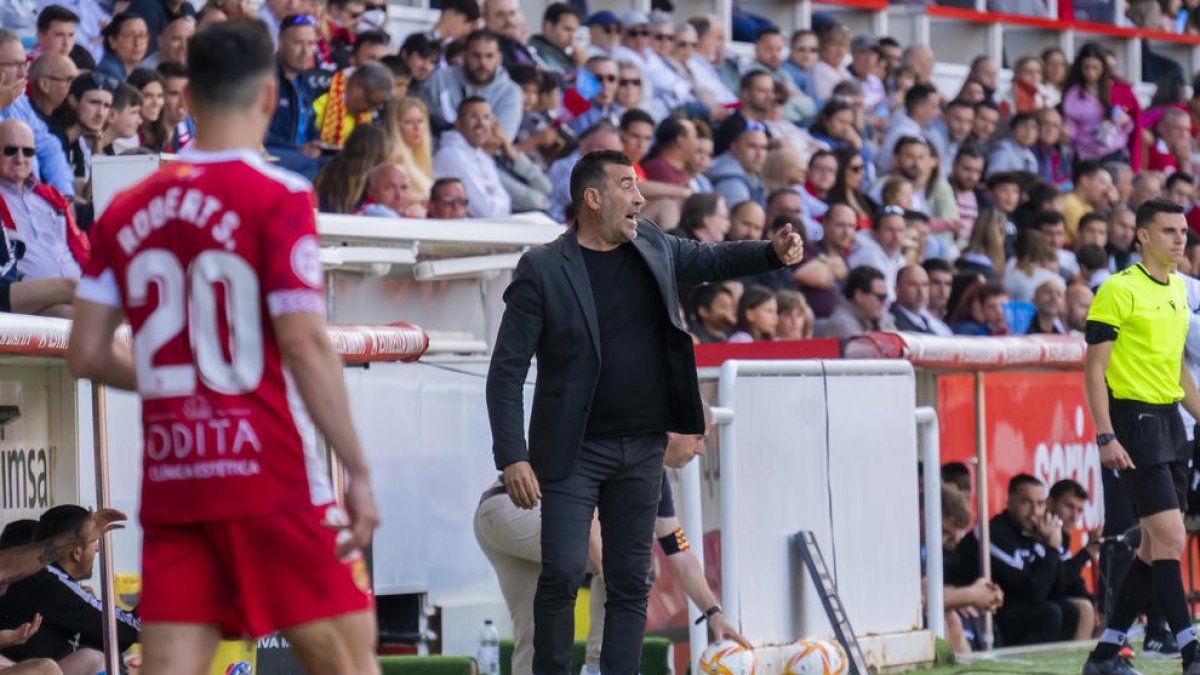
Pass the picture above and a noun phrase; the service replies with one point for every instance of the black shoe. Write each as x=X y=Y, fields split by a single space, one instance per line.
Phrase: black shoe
x=1117 y=665
x=1160 y=646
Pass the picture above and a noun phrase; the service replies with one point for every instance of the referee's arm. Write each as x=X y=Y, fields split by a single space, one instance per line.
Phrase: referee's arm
x=1099 y=349
x=1191 y=398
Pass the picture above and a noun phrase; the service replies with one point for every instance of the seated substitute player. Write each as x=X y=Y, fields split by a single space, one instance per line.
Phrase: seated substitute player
x=1135 y=379
x=214 y=260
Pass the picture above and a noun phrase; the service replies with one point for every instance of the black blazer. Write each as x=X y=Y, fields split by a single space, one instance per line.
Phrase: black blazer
x=551 y=313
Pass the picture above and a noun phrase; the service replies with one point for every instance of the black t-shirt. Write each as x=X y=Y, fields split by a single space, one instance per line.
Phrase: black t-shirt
x=631 y=396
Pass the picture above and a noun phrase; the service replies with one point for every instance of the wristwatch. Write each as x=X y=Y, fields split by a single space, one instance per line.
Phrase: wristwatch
x=708 y=613
x=1104 y=439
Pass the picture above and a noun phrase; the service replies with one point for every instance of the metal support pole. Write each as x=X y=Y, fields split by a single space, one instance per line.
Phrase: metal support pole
x=931 y=460
x=112 y=655
x=981 y=491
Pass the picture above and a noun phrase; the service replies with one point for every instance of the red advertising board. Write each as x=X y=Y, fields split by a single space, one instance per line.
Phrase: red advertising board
x=1036 y=422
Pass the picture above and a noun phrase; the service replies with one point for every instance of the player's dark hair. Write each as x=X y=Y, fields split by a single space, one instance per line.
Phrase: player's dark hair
x=1148 y=212
x=228 y=64
x=1067 y=487
x=589 y=171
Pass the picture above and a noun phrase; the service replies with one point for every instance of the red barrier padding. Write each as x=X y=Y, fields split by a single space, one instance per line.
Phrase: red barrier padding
x=872 y=5
x=962 y=14
x=1059 y=352
x=35 y=336
x=714 y=354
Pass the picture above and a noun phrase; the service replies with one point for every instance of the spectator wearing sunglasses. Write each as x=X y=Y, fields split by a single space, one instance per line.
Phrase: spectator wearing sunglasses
x=42 y=219
x=604 y=32
x=555 y=45
x=448 y=199
x=604 y=104
x=51 y=161
x=860 y=310
x=50 y=79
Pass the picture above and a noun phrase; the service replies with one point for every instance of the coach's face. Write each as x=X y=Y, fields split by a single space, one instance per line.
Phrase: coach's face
x=1027 y=505
x=619 y=203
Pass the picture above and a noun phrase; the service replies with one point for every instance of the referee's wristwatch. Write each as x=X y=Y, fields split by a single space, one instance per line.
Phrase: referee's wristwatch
x=1104 y=439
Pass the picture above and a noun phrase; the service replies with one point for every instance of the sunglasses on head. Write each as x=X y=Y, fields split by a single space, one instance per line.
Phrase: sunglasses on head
x=298 y=20
x=105 y=82
x=755 y=126
x=893 y=210
x=12 y=150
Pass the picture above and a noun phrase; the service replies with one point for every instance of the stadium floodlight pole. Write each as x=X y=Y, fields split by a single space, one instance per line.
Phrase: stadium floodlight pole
x=931 y=462
x=112 y=653
x=987 y=639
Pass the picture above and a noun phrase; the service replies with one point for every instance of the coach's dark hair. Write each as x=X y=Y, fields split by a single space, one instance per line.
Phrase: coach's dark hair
x=1020 y=480
x=228 y=63
x=1066 y=487
x=589 y=172
x=60 y=520
x=861 y=278
x=1149 y=210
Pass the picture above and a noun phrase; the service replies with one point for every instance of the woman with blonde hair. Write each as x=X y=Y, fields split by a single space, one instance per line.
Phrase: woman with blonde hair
x=406 y=124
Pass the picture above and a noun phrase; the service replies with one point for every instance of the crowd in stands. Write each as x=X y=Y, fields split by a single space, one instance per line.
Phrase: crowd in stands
x=981 y=211
x=51 y=622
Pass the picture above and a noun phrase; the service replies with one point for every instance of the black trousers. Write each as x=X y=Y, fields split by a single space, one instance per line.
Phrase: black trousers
x=623 y=477
x=1023 y=622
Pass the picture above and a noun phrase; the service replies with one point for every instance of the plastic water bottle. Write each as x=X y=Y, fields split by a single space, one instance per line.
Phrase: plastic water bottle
x=489 y=650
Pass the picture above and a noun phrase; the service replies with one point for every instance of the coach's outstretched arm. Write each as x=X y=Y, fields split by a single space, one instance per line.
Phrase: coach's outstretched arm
x=317 y=370
x=93 y=352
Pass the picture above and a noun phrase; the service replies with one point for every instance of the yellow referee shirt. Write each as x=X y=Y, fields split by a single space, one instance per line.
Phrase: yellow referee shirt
x=1151 y=320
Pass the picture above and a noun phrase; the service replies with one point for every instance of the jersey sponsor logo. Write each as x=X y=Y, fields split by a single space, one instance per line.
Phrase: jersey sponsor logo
x=306 y=261
x=180 y=440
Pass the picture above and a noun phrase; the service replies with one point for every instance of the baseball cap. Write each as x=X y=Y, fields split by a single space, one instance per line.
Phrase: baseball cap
x=634 y=18
x=603 y=18
x=862 y=42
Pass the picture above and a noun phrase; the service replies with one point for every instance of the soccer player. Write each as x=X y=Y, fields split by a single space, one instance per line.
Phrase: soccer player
x=214 y=261
x=1135 y=378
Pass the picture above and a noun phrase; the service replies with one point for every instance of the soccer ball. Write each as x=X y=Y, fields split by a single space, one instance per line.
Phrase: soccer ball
x=814 y=657
x=727 y=658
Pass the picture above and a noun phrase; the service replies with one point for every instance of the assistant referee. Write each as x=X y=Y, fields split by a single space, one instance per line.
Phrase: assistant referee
x=1135 y=378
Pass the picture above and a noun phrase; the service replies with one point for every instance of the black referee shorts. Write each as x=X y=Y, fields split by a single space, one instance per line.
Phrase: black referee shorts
x=1154 y=437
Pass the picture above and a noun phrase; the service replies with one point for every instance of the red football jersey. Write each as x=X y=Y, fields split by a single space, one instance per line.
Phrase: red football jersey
x=200 y=256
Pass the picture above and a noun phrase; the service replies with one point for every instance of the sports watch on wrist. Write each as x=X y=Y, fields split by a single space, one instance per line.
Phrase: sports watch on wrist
x=708 y=613
x=1104 y=439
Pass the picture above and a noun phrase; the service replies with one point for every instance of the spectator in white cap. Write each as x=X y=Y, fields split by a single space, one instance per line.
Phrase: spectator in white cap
x=604 y=29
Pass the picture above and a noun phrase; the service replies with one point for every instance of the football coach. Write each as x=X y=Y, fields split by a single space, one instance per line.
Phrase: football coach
x=616 y=371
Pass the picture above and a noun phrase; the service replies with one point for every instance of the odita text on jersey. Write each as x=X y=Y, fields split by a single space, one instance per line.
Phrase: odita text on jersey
x=192 y=206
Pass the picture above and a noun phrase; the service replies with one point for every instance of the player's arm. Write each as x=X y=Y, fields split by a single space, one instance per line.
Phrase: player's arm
x=317 y=370
x=1095 y=363
x=93 y=352
x=687 y=568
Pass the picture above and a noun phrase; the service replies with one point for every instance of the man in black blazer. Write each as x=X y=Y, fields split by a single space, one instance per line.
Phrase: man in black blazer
x=616 y=370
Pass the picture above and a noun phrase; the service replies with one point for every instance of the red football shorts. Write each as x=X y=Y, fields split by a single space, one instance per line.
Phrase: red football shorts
x=252 y=576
